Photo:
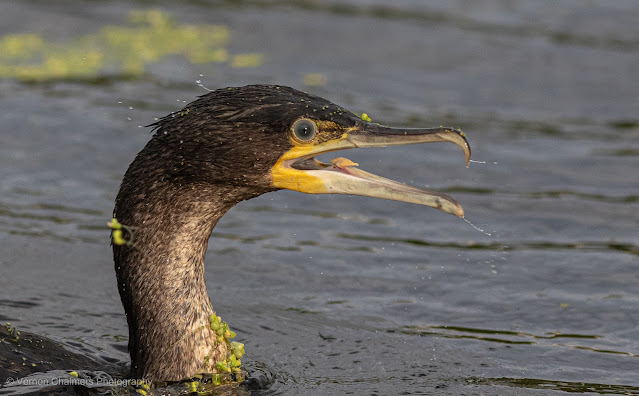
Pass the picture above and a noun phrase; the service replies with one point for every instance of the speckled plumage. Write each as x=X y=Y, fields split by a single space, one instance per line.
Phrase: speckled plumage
x=201 y=161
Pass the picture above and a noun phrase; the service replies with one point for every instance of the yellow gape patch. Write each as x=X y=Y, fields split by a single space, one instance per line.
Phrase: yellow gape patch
x=284 y=176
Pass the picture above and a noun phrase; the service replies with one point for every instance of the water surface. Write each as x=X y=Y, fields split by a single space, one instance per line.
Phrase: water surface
x=349 y=295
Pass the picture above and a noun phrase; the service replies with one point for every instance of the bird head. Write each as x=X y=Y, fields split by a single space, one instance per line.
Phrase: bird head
x=266 y=137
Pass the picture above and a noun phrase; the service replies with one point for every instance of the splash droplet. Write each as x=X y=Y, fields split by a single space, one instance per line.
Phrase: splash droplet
x=477 y=228
x=199 y=83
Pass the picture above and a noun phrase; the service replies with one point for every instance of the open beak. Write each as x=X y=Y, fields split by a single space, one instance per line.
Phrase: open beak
x=298 y=170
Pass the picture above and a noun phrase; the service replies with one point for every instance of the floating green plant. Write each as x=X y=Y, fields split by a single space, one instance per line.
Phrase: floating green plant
x=117 y=50
x=117 y=233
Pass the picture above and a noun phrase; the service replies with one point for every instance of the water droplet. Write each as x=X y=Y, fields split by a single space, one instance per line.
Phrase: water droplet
x=199 y=83
x=477 y=228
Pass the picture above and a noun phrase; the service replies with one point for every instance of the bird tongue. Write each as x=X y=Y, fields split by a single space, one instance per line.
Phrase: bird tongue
x=343 y=163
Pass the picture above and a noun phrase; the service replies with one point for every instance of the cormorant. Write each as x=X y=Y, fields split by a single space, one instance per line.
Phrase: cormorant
x=227 y=146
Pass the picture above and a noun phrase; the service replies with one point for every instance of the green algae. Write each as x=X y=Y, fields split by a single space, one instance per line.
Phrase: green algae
x=149 y=36
x=15 y=334
x=314 y=79
x=232 y=364
x=117 y=233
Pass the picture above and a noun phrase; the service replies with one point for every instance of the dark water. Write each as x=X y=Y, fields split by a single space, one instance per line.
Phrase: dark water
x=348 y=295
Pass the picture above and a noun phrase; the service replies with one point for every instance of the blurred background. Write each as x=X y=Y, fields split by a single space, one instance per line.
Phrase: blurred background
x=335 y=294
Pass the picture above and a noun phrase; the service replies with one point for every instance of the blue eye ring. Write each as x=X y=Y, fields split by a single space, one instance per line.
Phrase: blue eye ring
x=303 y=130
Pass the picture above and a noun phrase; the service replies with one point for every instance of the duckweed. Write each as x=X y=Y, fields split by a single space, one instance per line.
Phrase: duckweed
x=224 y=334
x=222 y=366
x=117 y=233
x=118 y=239
x=237 y=349
x=149 y=36
x=114 y=224
x=314 y=79
x=15 y=333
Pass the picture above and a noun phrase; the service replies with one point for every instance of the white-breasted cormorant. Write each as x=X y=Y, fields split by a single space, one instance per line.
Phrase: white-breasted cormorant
x=227 y=146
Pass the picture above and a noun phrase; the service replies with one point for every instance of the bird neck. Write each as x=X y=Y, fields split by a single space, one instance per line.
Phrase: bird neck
x=160 y=273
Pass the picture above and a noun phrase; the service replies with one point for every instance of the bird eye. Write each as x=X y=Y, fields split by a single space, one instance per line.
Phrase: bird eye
x=304 y=130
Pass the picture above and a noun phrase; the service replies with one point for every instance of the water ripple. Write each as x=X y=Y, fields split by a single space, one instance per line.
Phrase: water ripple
x=508 y=337
x=589 y=246
x=544 y=194
x=562 y=386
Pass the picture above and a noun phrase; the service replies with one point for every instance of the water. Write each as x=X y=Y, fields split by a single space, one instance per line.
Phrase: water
x=349 y=295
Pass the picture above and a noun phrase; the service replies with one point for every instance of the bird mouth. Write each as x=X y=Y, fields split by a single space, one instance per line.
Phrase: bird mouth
x=299 y=170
